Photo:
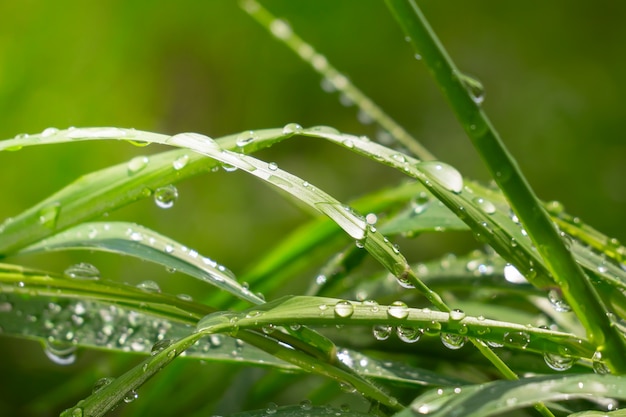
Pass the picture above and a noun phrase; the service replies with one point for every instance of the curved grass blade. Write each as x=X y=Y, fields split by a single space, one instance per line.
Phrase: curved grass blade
x=502 y=396
x=320 y=310
x=143 y=243
x=110 y=396
x=108 y=189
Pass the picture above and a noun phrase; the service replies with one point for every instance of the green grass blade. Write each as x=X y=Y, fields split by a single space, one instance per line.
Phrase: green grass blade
x=143 y=243
x=285 y=34
x=578 y=291
x=502 y=396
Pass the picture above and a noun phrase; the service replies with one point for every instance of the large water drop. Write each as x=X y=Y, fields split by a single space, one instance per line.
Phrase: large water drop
x=165 y=197
x=398 y=310
x=82 y=270
x=444 y=174
x=344 y=309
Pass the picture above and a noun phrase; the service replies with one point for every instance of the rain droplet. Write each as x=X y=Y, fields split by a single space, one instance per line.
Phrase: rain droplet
x=194 y=141
x=60 y=352
x=371 y=219
x=51 y=131
x=445 y=174
x=559 y=304
x=272 y=166
x=245 y=138
x=409 y=334
x=131 y=396
x=165 y=197
x=306 y=405
x=598 y=365
x=160 y=345
x=432 y=329
x=180 y=162
x=229 y=168
x=101 y=383
x=485 y=205
x=280 y=29
x=149 y=286
x=457 y=315
x=517 y=339
x=512 y=275
x=137 y=164
x=398 y=309
x=271 y=408
x=452 y=341
x=82 y=270
x=474 y=87
x=292 y=128
x=382 y=331
x=344 y=309
x=49 y=214
x=558 y=362
x=6 y=307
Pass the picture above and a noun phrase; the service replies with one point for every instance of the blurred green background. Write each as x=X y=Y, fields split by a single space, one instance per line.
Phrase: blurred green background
x=555 y=88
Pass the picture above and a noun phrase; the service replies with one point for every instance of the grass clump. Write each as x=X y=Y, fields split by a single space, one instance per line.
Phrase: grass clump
x=530 y=318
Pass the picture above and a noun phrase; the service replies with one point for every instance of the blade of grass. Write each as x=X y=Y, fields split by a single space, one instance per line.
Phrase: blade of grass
x=577 y=289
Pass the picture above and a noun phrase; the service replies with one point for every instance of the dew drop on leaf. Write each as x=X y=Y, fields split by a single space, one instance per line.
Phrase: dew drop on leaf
x=271 y=408
x=474 y=87
x=60 y=352
x=306 y=405
x=292 y=128
x=131 y=396
x=180 y=162
x=49 y=214
x=398 y=310
x=165 y=197
x=160 y=345
x=445 y=175
x=51 y=131
x=457 y=315
x=101 y=383
x=149 y=286
x=245 y=138
x=485 y=205
x=272 y=166
x=408 y=334
x=82 y=270
x=452 y=341
x=558 y=362
x=344 y=309
x=280 y=29
x=137 y=164
x=517 y=339
x=382 y=331
x=559 y=304
x=598 y=364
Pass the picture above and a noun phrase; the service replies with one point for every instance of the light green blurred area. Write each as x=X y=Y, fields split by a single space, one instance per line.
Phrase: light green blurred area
x=553 y=73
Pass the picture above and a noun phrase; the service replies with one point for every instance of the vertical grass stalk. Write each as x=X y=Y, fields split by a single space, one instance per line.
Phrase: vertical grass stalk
x=464 y=96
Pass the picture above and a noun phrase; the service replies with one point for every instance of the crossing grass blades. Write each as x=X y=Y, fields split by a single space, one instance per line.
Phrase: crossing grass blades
x=538 y=313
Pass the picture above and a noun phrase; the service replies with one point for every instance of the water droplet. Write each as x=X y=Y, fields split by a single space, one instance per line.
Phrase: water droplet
x=160 y=345
x=485 y=205
x=272 y=166
x=558 y=362
x=51 y=131
x=60 y=352
x=271 y=408
x=517 y=339
x=452 y=341
x=49 y=214
x=306 y=405
x=457 y=315
x=131 y=396
x=137 y=164
x=382 y=331
x=5 y=307
x=149 y=286
x=599 y=367
x=344 y=309
x=280 y=29
x=398 y=309
x=325 y=130
x=101 y=383
x=292 y=128
x=445 y=175
x=474 y=87
x=180 y=162
x=409 y=334
x=371 y=219
x=432 y=329
x=165 y=197
x=194 y=141
x=229 y=168
x=559 y=304
x=82 y=270
x=512 y=275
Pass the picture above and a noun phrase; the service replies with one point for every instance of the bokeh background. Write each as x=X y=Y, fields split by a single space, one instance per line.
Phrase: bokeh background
x=553 y=74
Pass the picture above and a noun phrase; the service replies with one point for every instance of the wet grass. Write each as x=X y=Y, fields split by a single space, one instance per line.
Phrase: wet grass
x=531 y=317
